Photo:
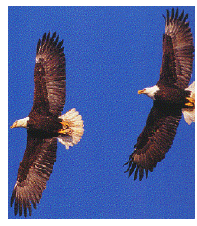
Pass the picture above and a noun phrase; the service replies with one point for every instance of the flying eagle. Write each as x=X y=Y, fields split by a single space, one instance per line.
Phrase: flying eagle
x=45 y=125
x=171 y=97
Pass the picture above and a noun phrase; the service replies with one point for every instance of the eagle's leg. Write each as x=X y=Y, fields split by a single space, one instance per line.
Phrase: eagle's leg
x=66 y=128
x=191 y=102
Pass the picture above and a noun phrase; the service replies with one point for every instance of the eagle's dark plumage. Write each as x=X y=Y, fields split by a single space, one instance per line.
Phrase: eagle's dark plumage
x=171 y=96
x=45 y=125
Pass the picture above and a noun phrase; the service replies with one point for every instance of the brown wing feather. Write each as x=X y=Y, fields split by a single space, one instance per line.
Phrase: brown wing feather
x=49 y=76
x=34 y=171
x=155 y=140
x=178 y=51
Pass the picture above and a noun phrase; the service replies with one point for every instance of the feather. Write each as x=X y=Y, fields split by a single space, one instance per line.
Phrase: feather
x=50 y=85
x=155 y=140
x=29 y=189
x=178 y=51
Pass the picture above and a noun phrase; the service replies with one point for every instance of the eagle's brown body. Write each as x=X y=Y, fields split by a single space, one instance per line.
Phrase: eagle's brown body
x=172 y=96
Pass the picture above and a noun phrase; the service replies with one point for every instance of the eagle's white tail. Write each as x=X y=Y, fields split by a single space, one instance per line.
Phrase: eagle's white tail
x=189 y=113
x=73 y=122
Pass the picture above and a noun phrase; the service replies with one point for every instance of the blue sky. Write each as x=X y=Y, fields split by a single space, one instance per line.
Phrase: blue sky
x=111 y=52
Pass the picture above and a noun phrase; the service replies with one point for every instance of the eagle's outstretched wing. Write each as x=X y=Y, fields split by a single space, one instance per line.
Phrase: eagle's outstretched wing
x=33 y=173
x=155 y=139
x=178 y=51
x=49 y=76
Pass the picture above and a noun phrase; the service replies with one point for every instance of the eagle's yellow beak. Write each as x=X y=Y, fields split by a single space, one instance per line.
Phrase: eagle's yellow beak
x=141 y=91
x=14 y=125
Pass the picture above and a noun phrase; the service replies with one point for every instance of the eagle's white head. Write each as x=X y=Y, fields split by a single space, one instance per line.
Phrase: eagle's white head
x=20 y=123
x=150 y=91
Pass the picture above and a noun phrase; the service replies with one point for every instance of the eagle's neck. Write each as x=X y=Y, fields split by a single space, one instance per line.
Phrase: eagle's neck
x=20 y=123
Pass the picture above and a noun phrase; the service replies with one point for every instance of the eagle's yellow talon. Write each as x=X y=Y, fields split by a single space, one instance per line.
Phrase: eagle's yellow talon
x=189 y=104
x=65 y=124
x=190 y=99
x=64 y=131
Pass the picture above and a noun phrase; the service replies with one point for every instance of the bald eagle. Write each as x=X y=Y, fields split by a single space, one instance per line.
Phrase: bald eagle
x=45 y=125
x=171 y=97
